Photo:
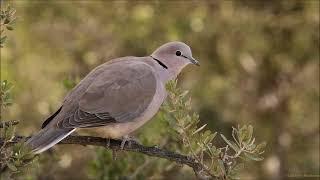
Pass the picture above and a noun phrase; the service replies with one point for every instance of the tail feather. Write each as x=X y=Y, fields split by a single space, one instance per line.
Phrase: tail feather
x=46 y=138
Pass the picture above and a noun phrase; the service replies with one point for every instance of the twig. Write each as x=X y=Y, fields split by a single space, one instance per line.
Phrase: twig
x=8 y=123
x=131 y=146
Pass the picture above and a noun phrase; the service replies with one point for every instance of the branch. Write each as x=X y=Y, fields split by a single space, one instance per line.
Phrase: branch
x=131 y=146
x=8 y=123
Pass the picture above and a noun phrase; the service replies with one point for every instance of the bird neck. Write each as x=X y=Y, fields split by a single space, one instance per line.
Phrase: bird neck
x=167 y=70
x=160 y=62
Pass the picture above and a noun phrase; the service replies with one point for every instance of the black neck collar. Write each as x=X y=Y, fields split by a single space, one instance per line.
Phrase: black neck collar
x=161 y=63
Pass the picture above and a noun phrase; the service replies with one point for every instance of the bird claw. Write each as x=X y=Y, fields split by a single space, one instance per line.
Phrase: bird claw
x=108 y=143
x=128 y=139
x=114 y=154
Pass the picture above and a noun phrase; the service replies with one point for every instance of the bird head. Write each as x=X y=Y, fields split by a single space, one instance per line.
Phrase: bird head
x=174 y=56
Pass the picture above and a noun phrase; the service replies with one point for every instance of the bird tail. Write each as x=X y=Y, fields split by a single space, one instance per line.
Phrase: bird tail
x=46 y=138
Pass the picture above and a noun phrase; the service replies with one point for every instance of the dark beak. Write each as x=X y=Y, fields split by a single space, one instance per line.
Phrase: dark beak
x=193 y=61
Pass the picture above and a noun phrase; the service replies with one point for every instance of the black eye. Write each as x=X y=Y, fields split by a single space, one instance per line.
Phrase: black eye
x=178 y=53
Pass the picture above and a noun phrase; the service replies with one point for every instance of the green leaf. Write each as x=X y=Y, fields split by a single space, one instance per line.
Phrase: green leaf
x=242 y=134
x=211 y=136
x=237 y=168
x=235 y=133
x=253 y=157
x=221 y=167
x=249 y=132
x=215 y=169
x=260 y=147
x=199 y=129
x=251 y=147
x=3 y=39
x=183 y=94
x=11 y=166
x=9 y=132
x=10 y=28
x=233 y=174
x=230 y=143
x=68 y=84
x=6 y=21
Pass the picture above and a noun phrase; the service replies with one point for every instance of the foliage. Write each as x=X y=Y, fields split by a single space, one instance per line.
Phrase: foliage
x=7 y=19
x=13 y=158
x=198 y=142
x=68 y=84
x=6 y=99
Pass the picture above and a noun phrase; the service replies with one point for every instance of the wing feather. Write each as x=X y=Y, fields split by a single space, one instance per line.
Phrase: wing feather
x=119 y=94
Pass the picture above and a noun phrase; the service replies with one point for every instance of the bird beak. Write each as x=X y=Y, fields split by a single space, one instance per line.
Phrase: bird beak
x=193 y=61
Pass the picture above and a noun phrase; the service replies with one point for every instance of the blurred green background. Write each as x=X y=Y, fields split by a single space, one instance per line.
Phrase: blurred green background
x=259 y=66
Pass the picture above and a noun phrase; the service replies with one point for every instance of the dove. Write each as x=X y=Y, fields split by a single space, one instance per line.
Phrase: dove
x=117 y=97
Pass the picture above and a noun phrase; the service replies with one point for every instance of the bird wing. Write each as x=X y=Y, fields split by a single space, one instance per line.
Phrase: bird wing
x=119 y=94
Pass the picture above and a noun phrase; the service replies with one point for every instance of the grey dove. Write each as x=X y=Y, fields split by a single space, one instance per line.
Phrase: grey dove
x=117 y=97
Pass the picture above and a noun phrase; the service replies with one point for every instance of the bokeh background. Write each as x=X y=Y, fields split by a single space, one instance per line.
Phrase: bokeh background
x=259 y=65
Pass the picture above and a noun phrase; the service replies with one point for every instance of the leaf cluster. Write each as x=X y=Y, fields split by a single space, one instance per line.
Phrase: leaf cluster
x=5 y=95
x=244 y=143
x=13 y=158
x=243 y=149
x=198 y=142
x=7 y=19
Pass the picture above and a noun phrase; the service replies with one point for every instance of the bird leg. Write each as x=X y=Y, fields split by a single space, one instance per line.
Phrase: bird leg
x=108 y=142
x=114 y=154
x=125 y=139
x=128 y=139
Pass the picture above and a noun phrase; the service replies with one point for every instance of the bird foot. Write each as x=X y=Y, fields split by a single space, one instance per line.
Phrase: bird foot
x=114 y=154
x=128 y=139
x=108 y=143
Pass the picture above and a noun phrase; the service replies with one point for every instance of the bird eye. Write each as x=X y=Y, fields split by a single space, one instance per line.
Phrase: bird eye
x=178 y=53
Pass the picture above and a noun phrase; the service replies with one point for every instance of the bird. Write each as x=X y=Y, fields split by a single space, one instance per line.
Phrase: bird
x=117 y=97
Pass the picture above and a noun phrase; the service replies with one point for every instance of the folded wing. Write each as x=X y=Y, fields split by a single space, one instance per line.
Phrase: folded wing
x=122 y=92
